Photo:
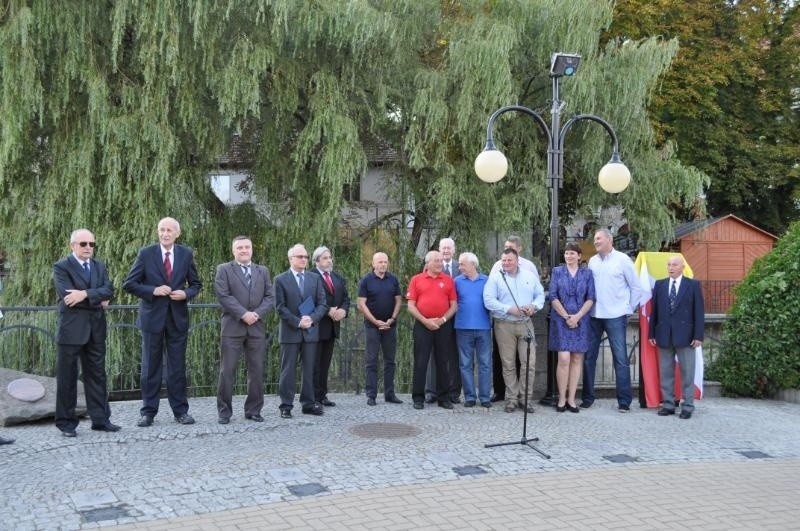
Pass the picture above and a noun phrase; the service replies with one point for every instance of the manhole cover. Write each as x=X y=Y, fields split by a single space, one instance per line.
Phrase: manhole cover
x=102 y=514
x=620 y=458
x=385 y=430
x=307 y=489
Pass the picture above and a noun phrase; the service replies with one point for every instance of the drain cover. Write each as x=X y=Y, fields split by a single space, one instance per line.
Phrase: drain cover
x=620 y=458
x=385 y=430
x=469 y=470
x=307 y=489
x=103 y=514
x=754 y=454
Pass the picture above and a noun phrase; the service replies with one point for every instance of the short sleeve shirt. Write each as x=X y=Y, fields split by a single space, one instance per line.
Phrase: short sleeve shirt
x=432 y=294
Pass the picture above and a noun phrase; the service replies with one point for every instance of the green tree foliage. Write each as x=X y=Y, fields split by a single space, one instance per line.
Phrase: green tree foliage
x=112 y=113
x=761 y=339
x=730 y=99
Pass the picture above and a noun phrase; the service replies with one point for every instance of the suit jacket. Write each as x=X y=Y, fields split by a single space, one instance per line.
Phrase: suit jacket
x=237 y=298
x=683 y=324
x=76 y=324
x=147 y=273
x=287 y=300
x=328 y=328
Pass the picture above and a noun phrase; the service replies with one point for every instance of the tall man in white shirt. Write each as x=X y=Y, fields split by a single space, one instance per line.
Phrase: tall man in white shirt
x=513 y=295
x=618 y=292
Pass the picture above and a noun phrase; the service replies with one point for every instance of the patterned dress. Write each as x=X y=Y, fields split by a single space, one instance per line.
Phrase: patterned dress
x=571 y=292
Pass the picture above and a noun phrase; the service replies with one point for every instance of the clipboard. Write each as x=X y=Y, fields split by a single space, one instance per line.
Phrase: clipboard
x=306 y=307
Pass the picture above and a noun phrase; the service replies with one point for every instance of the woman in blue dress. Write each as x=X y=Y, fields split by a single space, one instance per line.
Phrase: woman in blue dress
x=571 y=297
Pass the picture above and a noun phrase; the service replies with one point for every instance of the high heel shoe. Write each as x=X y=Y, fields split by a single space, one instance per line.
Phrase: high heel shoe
x=573 y=409
x=561 y=409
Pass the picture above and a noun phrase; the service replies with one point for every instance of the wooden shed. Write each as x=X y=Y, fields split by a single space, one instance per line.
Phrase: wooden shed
x=721 y=252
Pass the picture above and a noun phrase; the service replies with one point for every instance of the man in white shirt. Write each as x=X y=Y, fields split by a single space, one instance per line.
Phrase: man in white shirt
x=619 y=293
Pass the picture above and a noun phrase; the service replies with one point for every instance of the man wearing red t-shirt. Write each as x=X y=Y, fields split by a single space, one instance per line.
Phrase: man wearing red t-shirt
x=432 y=302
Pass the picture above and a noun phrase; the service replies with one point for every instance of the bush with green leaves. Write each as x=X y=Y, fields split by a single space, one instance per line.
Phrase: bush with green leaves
x=761 y=349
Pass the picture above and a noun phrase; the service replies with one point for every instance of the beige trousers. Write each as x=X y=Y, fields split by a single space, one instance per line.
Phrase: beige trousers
x=511 y=340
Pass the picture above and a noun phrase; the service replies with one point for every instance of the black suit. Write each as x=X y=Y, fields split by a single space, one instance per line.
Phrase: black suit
x=294 y=340
x=328 y=332
x=81 y=335
x=164 y=323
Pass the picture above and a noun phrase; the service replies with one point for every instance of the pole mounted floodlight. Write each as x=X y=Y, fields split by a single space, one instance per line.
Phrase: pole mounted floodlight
x=491 y=165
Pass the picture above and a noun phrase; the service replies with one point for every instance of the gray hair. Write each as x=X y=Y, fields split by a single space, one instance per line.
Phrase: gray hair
x=429 y=256
x=293 y=247
x=75 y=234
x=319 y=251
x=451 y=241
x=469 y=257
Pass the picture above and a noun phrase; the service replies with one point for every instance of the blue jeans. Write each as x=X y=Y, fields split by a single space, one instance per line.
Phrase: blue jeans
x=479 y=342
x=616 y=329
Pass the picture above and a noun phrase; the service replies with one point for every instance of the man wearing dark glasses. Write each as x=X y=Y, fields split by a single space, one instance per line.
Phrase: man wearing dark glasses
x=84 y=290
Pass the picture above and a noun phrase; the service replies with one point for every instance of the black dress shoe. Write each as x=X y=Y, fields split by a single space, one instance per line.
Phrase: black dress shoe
x=487 y=404
x=5 y=441
x=498 y=398
x=456 y=400
x=469 y=403
x=663 y=412
x=106 y=427
x=255 y=418
x=371 y=402
x=223 y=420
x=145 y=421
x=185 y=418
x=393 y=400
x=430 y=400
x=316 y=410
x=561 y=409
x=419 y=405
x=586 y=404
x=286 y=414
x=445 y=404
x=69 y=433
x=573 y=409
x=685 y=414
x=327 y=403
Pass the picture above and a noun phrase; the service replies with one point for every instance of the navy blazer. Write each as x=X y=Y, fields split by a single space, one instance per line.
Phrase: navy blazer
x=147 y=273
x=328 y=328
x=287 y=301
x=77 y=323
x=678 y=327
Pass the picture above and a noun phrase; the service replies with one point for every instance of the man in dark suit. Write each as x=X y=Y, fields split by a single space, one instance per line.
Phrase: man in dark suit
x=165 y=279
x=338 y=303
x=83 y=291
x=244 y=291
x=676 y=325
x=300 y=303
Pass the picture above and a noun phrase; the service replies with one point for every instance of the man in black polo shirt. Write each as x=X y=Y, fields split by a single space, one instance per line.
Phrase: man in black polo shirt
x=379 y=299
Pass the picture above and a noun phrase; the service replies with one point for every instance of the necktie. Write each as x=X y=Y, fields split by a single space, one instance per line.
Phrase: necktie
x=447 y=269
x=167 y=266
x=673 y=294
x=327 y=277
x=300 y=281
x=86 y=273
x=247 y=276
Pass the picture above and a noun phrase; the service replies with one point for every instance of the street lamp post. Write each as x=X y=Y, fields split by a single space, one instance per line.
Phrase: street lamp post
x=491 y=166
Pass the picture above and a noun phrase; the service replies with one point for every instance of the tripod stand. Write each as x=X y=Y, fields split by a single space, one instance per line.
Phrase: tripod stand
x=525 y=440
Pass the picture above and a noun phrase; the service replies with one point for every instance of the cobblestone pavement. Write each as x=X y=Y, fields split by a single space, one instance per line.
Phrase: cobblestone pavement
x=735 y=464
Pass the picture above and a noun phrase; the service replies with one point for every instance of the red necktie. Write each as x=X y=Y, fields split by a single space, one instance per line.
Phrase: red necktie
x=167 y=266
x=328 y=281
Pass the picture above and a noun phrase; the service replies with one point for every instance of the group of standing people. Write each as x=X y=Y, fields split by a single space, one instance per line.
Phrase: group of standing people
x=454 y=316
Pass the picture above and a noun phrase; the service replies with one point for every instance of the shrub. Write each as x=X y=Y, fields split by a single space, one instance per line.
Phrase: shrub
x=761 y=350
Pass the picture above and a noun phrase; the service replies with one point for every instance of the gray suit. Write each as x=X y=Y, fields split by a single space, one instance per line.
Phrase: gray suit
x=294 y=340
x=237 y=298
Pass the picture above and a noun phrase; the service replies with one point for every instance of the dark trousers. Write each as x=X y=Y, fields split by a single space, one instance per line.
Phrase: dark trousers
x=453 y=369
x=427 y=342
x=173 y=341
x=286 y=385
x=322 y=368
x=231 y=349
x=380 y=340
x=92 y=357
x=498 y=383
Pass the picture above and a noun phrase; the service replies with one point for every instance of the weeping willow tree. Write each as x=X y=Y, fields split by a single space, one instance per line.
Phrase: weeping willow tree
x=113 y=113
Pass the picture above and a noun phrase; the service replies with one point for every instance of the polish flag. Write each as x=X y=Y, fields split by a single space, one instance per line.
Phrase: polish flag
x=652 y=267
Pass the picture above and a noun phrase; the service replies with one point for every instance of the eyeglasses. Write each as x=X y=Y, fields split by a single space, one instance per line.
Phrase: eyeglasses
x=84 y=244
x=301 y=256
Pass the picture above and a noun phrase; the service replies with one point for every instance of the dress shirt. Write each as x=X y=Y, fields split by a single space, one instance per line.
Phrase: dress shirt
x=618 y=289
x=677 y=283
x=525 y=287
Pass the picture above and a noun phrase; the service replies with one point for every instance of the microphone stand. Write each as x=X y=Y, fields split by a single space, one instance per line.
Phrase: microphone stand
x=528 y=339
